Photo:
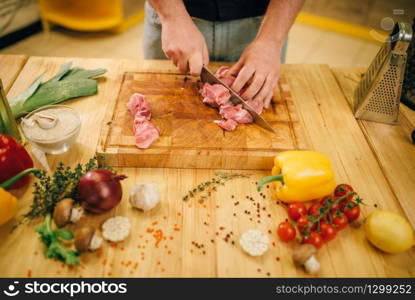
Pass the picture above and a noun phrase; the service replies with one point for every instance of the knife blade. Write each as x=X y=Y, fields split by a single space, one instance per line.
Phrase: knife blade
x=208 y=76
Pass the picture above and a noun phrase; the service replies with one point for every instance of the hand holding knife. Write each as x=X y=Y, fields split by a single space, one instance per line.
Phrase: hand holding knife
x=208 y=76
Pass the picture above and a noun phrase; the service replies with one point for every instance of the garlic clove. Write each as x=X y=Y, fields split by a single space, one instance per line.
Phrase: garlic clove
x=312 y=265
x=45 y=121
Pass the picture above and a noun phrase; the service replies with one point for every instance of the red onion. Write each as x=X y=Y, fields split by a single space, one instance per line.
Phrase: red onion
x=100 y=190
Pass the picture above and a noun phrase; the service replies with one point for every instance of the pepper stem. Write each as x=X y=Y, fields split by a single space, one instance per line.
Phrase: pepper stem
x=265 y=180
x=15 y=178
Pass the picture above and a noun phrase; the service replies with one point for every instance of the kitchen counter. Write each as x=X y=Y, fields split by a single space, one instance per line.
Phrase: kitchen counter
x=377 y=160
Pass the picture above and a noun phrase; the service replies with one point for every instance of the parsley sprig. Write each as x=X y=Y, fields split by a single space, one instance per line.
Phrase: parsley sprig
x=53 y=238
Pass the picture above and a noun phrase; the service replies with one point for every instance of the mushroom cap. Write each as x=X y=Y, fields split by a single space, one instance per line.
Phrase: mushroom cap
x=83 y=238
x=62 y=212
x=302 y=253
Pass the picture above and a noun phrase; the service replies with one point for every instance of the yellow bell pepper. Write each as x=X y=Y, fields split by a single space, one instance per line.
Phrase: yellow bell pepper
x=8 y=206
x=301 y=176
x=8 y=202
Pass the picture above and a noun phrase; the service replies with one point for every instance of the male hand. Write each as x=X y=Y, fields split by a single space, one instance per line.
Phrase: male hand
x=259 y=65
x=185 y=45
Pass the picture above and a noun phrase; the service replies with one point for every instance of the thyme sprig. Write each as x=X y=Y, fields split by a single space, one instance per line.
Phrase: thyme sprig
x=50 y=189
x=205 y=189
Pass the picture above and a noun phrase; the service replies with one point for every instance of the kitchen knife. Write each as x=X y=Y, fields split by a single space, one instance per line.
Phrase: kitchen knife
x=208 y=76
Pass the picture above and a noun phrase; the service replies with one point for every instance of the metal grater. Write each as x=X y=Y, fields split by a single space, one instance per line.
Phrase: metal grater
x=408 y=88
x=378 y=95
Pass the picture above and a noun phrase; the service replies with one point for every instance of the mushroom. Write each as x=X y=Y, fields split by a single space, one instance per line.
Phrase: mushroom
x=87 y=240
x=303 y=256
x=65 y=212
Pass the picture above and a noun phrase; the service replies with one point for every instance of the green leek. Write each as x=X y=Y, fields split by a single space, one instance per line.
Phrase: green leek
x=7 y=122
x=66 y=84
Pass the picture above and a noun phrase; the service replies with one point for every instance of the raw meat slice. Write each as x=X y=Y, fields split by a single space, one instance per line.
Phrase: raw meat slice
x=210 y=102
x=222 y=71
x=228 y=125
x=145 y=132
x=236 y=113
x=221 y=74
x=138 y=120
x=215 y=93
x=138 y=104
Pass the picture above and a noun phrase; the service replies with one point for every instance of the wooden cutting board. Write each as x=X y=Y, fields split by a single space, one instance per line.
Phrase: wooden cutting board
x=188 y=136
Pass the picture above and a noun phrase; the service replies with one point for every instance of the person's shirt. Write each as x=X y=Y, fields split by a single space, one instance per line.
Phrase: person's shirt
x=225 y=10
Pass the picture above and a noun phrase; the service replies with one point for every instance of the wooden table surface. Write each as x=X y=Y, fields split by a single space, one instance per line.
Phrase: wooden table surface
x=377 y=160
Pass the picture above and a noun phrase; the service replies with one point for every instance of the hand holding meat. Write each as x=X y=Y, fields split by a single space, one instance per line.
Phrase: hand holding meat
x=183 y=43
x=259 y=69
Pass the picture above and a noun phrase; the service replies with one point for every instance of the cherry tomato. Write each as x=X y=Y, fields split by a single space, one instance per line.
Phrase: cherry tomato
x=302 y=223
x=286 y=231
x=295 y=210
x=352 y=211
x=329 y=201
x=314 y=239
x=342 y=189
x=340 y=221
x=328 y=231
x=313 y=210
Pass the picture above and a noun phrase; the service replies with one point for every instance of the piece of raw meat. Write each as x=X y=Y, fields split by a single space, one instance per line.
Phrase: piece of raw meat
x=221 y=74
x=236 y=113
x=215 y=94
x=228 y=125
x=138 y=104
x=144 y=131
x=222 y=71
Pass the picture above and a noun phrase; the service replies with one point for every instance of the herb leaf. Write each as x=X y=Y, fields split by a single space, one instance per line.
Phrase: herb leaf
x=52 y=239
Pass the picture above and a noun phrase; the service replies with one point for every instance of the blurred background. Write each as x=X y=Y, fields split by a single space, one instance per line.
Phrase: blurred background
x=335 y=32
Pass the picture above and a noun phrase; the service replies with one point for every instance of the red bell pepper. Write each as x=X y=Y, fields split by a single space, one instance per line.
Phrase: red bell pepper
x=13 y=159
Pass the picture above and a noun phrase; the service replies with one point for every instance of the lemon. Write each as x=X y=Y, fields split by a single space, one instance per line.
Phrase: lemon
x=389 y=231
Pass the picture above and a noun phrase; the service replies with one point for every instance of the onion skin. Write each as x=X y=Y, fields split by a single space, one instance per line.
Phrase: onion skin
x=100 y=190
